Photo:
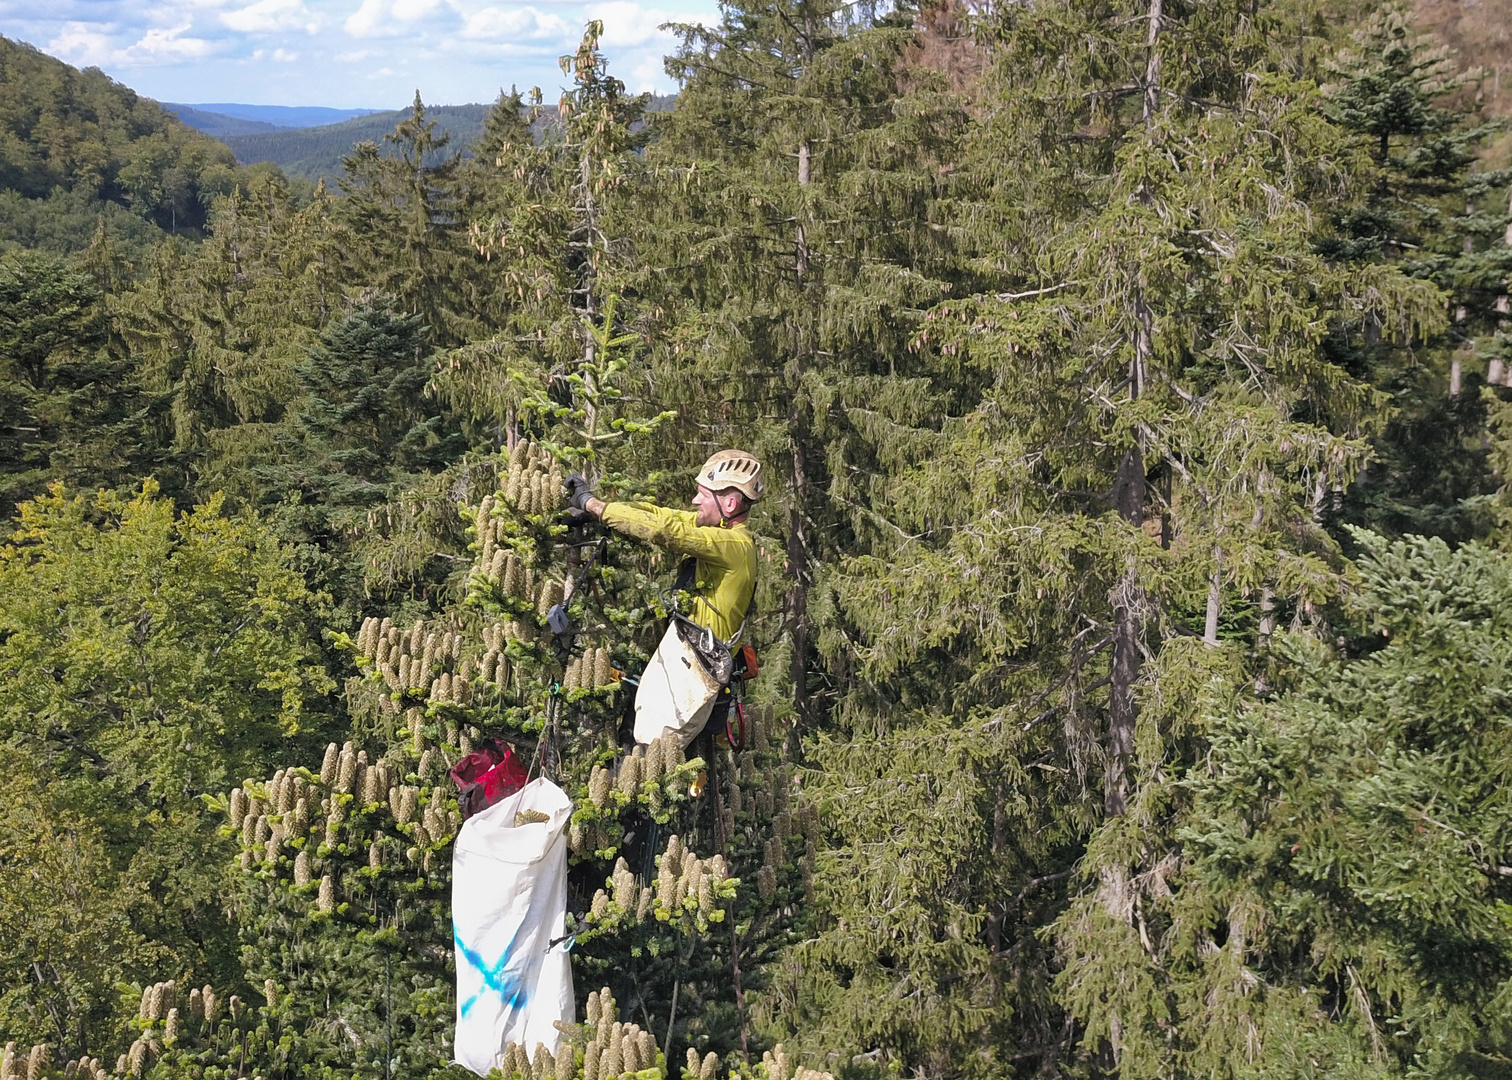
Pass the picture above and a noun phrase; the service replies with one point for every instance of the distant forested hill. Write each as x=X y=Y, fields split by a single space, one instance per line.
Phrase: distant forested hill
x=78 y=149
x=277 y=117
x=219 y=125
x=316 y=153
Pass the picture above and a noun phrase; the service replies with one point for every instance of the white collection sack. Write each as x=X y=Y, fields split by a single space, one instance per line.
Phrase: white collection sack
x=509 y=903
x=677 y=690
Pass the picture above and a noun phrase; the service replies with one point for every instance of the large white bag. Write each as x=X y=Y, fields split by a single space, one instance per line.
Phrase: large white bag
x=509 y=903
x=677 y=690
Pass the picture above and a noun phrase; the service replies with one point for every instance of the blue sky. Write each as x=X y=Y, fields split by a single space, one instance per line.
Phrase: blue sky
x=346 y=53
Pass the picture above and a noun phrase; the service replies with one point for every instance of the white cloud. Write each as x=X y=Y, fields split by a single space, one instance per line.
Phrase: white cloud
x=394 y=18
x=628 y=25
x=515 y=24
x=81 y=44
x=410 y=10
x=308 y=51
x=269 y=16
x=367 y=20
x=85 y=45
x=159 y=45
x=649 y=74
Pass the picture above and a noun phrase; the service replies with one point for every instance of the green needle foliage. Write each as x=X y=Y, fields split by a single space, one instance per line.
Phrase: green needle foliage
x=790 y=234
x=1344 y=903
x=75 y=408
x=1156 y=426
x=1432 y=209
x=1090 y=742
x=403 y=234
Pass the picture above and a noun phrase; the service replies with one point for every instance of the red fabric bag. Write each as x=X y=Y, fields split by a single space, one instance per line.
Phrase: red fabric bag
x=489 y=774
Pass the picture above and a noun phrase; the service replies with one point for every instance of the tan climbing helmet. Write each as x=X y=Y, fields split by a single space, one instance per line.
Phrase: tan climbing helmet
x=733 y=469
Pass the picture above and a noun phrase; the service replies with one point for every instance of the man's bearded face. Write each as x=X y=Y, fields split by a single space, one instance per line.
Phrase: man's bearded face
x=711 y=509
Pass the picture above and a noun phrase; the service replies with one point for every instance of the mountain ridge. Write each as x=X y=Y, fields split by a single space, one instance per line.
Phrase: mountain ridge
x=315 y=153
x=286 y=117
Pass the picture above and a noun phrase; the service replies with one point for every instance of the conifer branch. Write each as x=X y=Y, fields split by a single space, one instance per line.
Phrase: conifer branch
x=1005 y=297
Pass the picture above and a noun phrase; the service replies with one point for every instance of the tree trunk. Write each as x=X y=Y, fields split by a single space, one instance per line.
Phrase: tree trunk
x=795 y=604
x=1129 y=500
x=1214 y=601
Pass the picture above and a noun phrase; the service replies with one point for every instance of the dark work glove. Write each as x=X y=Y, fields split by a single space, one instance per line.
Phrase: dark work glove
x=576 y=518
x=578 y=491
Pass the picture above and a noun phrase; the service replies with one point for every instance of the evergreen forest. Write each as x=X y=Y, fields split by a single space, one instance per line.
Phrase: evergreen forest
x=1134 y=384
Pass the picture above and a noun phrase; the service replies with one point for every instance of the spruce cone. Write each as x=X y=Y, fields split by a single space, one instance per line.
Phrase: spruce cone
x=598 y=786
x=372 y=786
x=613 y=1062
x=629 y=775
x=624 y=884
x=346 y=772
x=37 y=1061
x=652 y=766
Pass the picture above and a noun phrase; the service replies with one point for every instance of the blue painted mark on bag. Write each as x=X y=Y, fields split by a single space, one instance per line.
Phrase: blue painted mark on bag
x=506 y=984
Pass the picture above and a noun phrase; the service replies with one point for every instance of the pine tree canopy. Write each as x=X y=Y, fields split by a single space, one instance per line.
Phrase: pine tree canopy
x=1132 y=384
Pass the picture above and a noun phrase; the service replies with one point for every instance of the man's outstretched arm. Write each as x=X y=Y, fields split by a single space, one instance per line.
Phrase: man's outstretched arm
x=674 y=530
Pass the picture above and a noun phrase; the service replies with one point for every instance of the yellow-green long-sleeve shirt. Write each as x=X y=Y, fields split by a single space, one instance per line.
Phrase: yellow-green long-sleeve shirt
x=726 y=558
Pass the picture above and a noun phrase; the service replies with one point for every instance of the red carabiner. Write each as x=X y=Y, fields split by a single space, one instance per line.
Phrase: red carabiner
x=737 y=711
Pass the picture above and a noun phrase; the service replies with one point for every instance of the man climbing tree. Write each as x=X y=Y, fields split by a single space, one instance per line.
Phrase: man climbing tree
x=677 y=692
